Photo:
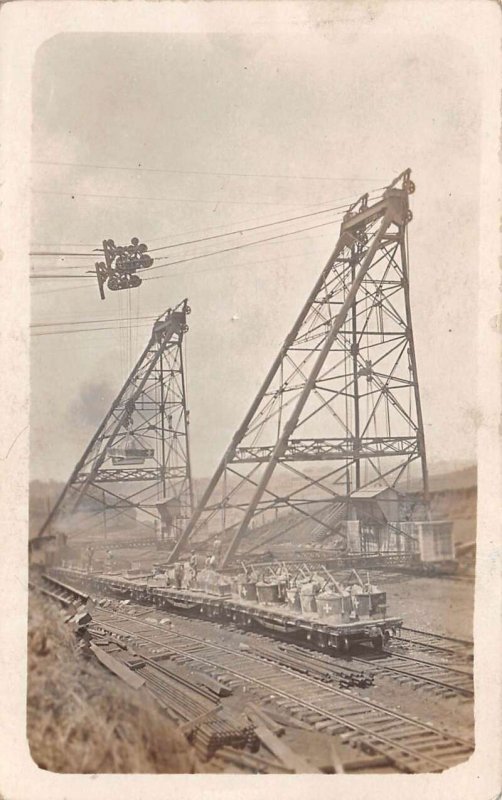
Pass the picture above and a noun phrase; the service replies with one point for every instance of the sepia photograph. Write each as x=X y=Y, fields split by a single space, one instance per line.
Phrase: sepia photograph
x=254 y=292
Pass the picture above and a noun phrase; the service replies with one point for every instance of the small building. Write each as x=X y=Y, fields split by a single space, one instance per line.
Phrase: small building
x=436 y=541
x=169 y=509
x=453 y=497
x=374 y=522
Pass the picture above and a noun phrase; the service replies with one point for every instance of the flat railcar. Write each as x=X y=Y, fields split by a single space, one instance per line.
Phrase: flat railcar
x=286 y=623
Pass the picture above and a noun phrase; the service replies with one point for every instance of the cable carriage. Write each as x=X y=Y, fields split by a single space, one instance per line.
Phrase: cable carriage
x=118 y=270
x=131 y=453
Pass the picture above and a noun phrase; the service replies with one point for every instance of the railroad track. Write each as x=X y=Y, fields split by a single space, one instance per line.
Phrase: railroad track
x=62 y=592
x=448 y=647
x=437 y=641
x=194 y=705
x=445 y=680
x=411 y=745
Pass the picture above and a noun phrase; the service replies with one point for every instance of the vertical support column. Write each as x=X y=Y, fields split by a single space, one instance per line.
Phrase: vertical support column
x=98 y=449
x=355 y=370
x=104 y=517
x=291 y=424
x=186 y=419
x=413 y=361
x=230 y=452
x=162 y=425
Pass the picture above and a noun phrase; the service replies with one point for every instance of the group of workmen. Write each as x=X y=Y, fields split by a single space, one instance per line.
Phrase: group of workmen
x=185 y=572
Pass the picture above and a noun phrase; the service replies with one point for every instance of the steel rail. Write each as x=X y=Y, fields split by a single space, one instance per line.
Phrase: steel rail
x=376 y=665
x=355 y=703
x=289 y=669
x=405 y=657
x=382 y=666
x=441 y=637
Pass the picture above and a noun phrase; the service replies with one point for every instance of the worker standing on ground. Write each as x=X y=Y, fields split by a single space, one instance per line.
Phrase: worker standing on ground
x=90 y=556
x=178 y=574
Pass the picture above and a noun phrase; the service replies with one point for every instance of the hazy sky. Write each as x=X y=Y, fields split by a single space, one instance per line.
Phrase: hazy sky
x=212 y=132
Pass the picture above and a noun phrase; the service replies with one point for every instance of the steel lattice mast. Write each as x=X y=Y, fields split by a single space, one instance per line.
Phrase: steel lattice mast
x=339 y=410
x=140 y=454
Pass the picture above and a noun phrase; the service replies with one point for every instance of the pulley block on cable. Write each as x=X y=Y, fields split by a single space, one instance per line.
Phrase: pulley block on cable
x=119 y=269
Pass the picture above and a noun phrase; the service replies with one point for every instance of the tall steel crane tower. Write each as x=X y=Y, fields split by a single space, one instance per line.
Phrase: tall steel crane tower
x=338 y=415
x=137 y=464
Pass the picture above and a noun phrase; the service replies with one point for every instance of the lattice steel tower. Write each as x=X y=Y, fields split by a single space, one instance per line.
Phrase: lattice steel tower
x=139 y=458
x=339 y=411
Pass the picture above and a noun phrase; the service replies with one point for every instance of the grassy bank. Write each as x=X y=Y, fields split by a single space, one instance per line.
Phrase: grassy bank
x=81 y=719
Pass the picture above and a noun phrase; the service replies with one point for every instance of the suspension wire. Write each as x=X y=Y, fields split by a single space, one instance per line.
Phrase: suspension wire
x=199 y=240
x=217 y=236
x=206 y=269
x=264 y=217
x=75 y=195
x=63 y=289
x=62 y=255
x=129 y=329
x=241 y=246
x=136 y=326
x=240 y=231
x=194 y=257
x=59 y=277
x=84 y=321
x=120 y=336
x=66 y=244
x=98 y=248
x=124 y=337
x=36 y=334
x=141 y=168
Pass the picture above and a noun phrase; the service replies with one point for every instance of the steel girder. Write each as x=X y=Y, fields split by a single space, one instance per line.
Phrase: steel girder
x=331 y=449
x=140 y=452
x=339 y=410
